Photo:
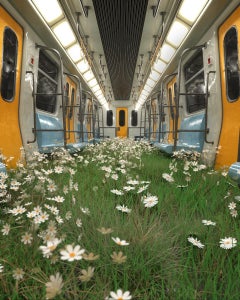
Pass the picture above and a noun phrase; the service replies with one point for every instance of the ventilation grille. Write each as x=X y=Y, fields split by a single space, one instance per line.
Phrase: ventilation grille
x=120 y=24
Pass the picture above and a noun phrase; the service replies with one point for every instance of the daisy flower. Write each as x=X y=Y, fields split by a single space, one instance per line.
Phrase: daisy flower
x=120 y=242
x=123 y=208
x=18 y=210
x=91 y=256
x=208 y=223
x=50 y=247
x=233 y=213
x=104 y=230
x=228 y=243
x=117 y=192
x=18 y=274
x=195 y=242
x=118 y=258
x=27 y=238
x=79 y=223
x=120 y=295
x=86 y=275
x=149 y=200
x=72 y=253
x=54 y=286
x=167 y=177
x=5 y=230
x=128 y=188
x=232 y=205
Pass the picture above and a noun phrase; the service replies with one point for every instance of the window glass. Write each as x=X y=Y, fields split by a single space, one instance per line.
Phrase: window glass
x=109 y=118
x=46 y=84
x=231 y=64
x=134 y=119
x=121 y=117
x=8 y=76
x=194 y=83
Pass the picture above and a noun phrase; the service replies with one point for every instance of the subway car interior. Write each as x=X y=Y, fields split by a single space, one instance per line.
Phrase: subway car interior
x=79 y=71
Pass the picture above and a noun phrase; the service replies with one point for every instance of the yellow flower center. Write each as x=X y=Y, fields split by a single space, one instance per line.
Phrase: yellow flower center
x=72 y=254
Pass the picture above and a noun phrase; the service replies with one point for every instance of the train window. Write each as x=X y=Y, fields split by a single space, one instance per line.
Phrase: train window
x=194 y=83
x=134 y=119
x=109 y=118
x=231 y=64
x=8 y=76
x=47 y=84
x=121 y=117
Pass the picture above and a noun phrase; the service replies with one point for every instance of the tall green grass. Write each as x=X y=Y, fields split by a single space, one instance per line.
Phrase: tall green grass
x=161 y=263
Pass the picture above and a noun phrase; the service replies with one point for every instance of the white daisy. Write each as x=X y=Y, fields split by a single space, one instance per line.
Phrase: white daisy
x=54 y=286
x=195 y=242
x=6 y=228
x=18 y=274
x=149 y=200
x=27 y=238
x=123 y=208
x=120 y=242
x=117 y=192
x=208 y=222
x=228 y=243
x=120 y=295
x=72 y=253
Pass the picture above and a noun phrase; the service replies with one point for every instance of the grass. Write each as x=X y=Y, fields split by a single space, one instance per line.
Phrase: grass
x=160 y=261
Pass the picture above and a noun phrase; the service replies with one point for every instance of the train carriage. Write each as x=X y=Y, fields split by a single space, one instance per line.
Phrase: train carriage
x=71 y=78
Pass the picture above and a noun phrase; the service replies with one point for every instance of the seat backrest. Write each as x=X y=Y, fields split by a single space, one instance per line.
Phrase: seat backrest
x=194 y=138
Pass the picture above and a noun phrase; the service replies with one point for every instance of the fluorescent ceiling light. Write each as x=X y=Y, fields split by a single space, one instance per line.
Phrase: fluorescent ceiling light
x=147 y=88
x=177 y=33
x=75 y=52
x=83 y=66
x=92 y=82
x=49 y=9
x=159 y=65
x=144 y=93
x=167 y=52
x=154 y=75
x=96 y=88
x=190 y=10
x=98 y=93
x=150 y=82
x=88 y=75
x=64 y=33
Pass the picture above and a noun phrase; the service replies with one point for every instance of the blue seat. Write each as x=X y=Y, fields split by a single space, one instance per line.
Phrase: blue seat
x=234 y=172
x=193 y=140
x=80 y=143
x=49 y=140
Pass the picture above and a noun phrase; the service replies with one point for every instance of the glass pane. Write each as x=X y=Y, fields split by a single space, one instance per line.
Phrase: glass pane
x=195 y=84
x=134 y=118
x=47 y=66
x=122 y=117
x=109 y=118
x=8 y=77
x=231 y=64
x=46 y=85
x=193 y=66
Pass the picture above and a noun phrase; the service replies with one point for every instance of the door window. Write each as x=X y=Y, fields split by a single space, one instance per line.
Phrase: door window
x=8 y=76
x=231 y=64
